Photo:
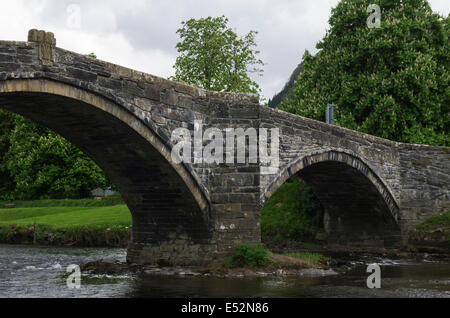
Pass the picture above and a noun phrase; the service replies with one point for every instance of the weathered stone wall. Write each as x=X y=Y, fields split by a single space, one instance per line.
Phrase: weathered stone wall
x=425 y=181
x=192 y=213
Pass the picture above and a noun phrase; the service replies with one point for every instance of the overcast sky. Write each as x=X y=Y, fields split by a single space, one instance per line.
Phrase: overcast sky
x=142 y=34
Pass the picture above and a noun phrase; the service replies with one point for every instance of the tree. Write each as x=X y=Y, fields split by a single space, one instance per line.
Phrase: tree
x=214 y=57
x=42 y=164
x=6 y=127
x=391 y=81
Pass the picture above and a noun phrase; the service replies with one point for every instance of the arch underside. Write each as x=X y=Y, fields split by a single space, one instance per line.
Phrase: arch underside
x=358 y=208
x=161 y=203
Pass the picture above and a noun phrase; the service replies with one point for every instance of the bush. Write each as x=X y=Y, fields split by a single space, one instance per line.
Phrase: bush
x=250 y=255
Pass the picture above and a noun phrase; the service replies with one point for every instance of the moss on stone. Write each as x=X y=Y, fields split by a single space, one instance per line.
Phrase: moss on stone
x=434 y=232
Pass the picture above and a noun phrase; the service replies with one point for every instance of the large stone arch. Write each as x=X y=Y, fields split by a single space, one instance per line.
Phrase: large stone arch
x=359 y=207
x=166 y=202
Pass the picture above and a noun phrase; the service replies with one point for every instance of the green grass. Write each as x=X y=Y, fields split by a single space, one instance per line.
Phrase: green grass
x=64 y=217
x=289 y=215
x=436 y=229
x=59 y=225
x=313 y=258
x=439 y=221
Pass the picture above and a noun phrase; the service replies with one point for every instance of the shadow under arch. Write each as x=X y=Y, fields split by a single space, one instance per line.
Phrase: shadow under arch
x=359 y=207
x=163 y=197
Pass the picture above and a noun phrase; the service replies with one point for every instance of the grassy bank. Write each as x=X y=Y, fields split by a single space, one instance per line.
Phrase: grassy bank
x=66 y=222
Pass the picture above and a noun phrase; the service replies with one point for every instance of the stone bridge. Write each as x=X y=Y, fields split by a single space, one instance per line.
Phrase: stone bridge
x=371 y=188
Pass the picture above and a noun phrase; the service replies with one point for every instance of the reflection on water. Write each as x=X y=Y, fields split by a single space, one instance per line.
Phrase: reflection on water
x=38 y=272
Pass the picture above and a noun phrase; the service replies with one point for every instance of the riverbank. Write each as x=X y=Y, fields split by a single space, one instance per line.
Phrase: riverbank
x=82 y=223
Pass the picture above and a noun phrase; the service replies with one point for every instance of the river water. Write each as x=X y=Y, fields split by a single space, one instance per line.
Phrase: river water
x=39 y=272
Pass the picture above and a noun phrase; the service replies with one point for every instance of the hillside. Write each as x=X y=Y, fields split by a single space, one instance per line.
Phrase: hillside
x=278 y=98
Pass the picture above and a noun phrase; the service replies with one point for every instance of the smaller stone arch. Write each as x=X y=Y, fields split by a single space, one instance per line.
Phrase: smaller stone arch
x=354 y=197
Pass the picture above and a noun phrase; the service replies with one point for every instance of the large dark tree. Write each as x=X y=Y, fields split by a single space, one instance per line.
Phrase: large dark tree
x=391 y=81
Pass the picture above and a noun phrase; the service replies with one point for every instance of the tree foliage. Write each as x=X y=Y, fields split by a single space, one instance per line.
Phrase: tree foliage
x=6 y=127
x=286 y=92
x=214 y=57
x=41 y=164
x=391 y=81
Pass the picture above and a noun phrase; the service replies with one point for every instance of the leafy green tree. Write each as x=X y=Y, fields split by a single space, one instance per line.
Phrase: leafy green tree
x=42 y=164
x=214 y=57
x=6 y=127
x=391 y=81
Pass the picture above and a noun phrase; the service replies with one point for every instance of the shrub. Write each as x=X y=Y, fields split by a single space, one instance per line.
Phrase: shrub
x=250 y=255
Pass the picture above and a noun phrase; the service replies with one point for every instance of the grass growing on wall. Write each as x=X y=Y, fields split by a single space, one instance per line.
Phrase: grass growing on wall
x=291 y=214
x=435 y=230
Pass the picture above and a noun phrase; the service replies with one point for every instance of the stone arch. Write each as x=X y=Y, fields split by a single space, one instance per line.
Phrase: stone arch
x=349 y=188
x=160 y=193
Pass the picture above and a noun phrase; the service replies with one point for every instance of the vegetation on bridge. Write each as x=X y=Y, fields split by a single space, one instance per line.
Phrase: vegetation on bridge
x=432 y=234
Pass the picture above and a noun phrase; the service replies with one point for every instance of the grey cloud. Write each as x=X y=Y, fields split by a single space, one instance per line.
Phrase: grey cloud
x=286 y=27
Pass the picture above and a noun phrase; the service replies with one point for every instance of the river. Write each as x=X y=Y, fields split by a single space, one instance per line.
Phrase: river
x=33 y=272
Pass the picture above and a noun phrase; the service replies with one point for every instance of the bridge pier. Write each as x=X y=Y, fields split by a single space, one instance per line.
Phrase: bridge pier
x=232 y=218
x=231 y=224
